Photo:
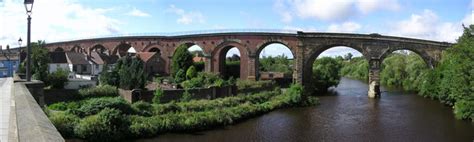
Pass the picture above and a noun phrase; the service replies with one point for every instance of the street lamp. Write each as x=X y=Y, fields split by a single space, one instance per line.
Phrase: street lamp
x=19 y=42
x=29 y=8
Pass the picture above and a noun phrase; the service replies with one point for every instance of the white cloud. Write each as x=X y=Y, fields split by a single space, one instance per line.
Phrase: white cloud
x=186 y=17
x=346 y=27
x=367 y=6
x=53 y=20
x=427 y=25
x=331 y=10
x=138 y=13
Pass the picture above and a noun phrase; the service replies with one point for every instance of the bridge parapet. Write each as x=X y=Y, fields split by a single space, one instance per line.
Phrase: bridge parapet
x=28 y=122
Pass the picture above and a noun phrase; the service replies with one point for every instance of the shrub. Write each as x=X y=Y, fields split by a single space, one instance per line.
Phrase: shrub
x=131 y=73
x=108 y=125
x=191 y=72
x=186 y=96
x=64 y=123
x=99 y=91
x=142 y=108
x=157 y=96
x=62 y=106
x=180 y=76
x=58 y=79
x=95 y=105
x=464 y=109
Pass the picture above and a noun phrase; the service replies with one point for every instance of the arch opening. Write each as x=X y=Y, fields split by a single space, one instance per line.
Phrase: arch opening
x=59 y=49
x=275 y=62
x=330 y=65
x=403 y=69
x=232 y=63
x=99 y=49
x=199 y=59
x=122 y=49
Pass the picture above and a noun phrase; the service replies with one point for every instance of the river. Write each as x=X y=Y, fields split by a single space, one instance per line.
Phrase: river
x=347 y=115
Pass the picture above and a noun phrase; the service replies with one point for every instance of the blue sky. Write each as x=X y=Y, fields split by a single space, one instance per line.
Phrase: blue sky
x=55 y=20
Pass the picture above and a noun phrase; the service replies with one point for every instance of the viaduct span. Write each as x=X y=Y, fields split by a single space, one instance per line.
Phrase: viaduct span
x=305 y=46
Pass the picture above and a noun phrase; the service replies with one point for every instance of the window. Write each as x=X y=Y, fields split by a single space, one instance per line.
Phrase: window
x=74 y=68
x=84 y=68
x=97 y=67
x=1 y=64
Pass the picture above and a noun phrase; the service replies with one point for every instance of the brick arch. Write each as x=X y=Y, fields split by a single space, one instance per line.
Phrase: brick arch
x=59 y=49
x=308 y=64
x=219 y=53
x=422 y=53
x=120 y=48
x=99 y=46
x=77 y=48
x=262 y=45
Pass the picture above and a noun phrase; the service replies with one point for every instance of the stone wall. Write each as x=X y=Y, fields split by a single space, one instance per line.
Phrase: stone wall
x=28 y=122
x=176 y=94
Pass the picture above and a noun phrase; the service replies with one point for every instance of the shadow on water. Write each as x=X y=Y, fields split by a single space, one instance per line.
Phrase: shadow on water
x=347 y=114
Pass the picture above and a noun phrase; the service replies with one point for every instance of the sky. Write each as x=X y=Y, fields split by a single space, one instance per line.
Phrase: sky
x=56 y=20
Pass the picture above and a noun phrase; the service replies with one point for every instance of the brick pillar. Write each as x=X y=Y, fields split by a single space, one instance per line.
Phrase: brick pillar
x=208 y=63
x=250 y=73
x=374 y=78
x=298 y=65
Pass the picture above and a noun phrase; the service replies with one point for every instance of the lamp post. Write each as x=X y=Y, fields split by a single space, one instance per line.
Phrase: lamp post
x=19 y=42
x=29 y=8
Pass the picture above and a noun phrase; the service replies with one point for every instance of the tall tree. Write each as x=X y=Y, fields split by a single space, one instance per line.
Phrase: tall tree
x=182 y=59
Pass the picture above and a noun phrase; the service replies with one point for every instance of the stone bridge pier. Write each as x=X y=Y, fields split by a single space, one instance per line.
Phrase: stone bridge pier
x=374 y=78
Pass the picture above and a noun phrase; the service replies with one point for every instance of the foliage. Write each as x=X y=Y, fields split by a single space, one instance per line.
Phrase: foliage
x=403 y=69
x=64 y=123
x=58 y=79
x=199 y=66
x=186 y=97
x=142 y=108
x=180 y=76
x=348 y=56
x=108 y=125
x=249 y=84
x=39 y=62
x=95 y=105
x=205 y=80
x=191 y=72
x=453 y=80
x=232 y=69
x=356 y=68
x=99 y=91
x=131 y=73
x=325 y=73
x=157 y=96
x=280 y=63
x=181 y=60
x=107 y=77
x=63 y=106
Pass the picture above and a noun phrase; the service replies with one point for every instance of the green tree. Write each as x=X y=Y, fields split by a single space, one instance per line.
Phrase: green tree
x=191 y=72
x=348 y=56
x=39 y=61
x=130 y=72
x=58 y=79
x=182 y=59
x=325 y=73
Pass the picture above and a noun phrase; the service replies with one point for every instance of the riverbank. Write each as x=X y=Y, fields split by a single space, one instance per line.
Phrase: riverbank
x=347 y=116
x=113 y=119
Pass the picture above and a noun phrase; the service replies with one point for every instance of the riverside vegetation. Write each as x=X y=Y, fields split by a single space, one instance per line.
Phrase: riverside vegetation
x=451 y=81
x=98 y=118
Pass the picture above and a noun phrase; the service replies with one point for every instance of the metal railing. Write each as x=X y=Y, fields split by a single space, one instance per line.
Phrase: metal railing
x=169 y=34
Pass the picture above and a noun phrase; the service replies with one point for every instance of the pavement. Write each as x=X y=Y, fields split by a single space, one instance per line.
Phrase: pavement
x=5 y=103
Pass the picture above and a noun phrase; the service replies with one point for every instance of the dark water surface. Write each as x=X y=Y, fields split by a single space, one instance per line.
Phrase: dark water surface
x=347 y=116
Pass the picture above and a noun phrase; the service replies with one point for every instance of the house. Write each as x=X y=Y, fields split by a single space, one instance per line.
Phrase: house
x=99 y=60
x=199 y=58
x=152 y=62
x=79 y=63
x=9 y=63
x=58 y=60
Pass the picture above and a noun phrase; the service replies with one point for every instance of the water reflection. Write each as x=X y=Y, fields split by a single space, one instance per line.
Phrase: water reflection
x=347 y=114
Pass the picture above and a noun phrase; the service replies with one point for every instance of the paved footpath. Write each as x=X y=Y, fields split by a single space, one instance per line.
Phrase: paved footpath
x=5 y=102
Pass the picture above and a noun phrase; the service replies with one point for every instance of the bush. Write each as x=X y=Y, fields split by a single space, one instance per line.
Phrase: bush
x=99 y=91
x=464 y=109
x=95 y=105
x=64 y=123
x=131 y=73
x=142 y=108
x=108 y=125
x=191 y=72
x=58 y=79
x=63 y=106
x=186 y=97
x=182 y=60
x=180 y=76
x=157 y=96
